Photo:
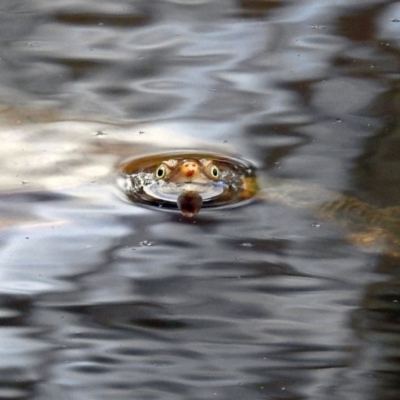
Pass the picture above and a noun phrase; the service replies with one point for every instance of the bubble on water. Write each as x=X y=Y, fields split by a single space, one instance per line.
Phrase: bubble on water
x=146 y=243
x=247 y=244
x=316 y=225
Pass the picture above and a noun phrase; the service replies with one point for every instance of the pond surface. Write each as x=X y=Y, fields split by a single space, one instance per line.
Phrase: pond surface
x=103 y=299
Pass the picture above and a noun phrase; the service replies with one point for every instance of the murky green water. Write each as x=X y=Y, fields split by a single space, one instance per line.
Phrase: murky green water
x=103 y=299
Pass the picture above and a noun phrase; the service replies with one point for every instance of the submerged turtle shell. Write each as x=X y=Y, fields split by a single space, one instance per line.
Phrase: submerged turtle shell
x=234 y=183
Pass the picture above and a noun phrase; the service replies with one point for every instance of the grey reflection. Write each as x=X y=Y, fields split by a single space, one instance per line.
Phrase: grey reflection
x=99 y=298
x=374 y=374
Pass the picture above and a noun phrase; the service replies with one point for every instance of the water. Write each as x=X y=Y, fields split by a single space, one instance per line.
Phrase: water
x=102 y=299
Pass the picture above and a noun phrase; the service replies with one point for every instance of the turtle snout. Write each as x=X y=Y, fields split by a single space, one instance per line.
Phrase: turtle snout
x=190 y=169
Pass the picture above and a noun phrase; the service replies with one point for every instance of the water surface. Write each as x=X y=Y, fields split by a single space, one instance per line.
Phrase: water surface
x=102 y=299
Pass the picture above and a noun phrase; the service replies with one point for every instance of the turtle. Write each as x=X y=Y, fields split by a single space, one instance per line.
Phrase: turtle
x=190 y=181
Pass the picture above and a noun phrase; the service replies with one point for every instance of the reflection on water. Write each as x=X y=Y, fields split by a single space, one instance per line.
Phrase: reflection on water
x=101 y=299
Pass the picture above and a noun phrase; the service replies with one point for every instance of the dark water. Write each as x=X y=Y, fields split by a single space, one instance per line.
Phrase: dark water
x=104 y=300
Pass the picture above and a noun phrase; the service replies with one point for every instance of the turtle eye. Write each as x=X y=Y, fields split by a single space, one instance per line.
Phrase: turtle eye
x=213 y=171
x=161 y=172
